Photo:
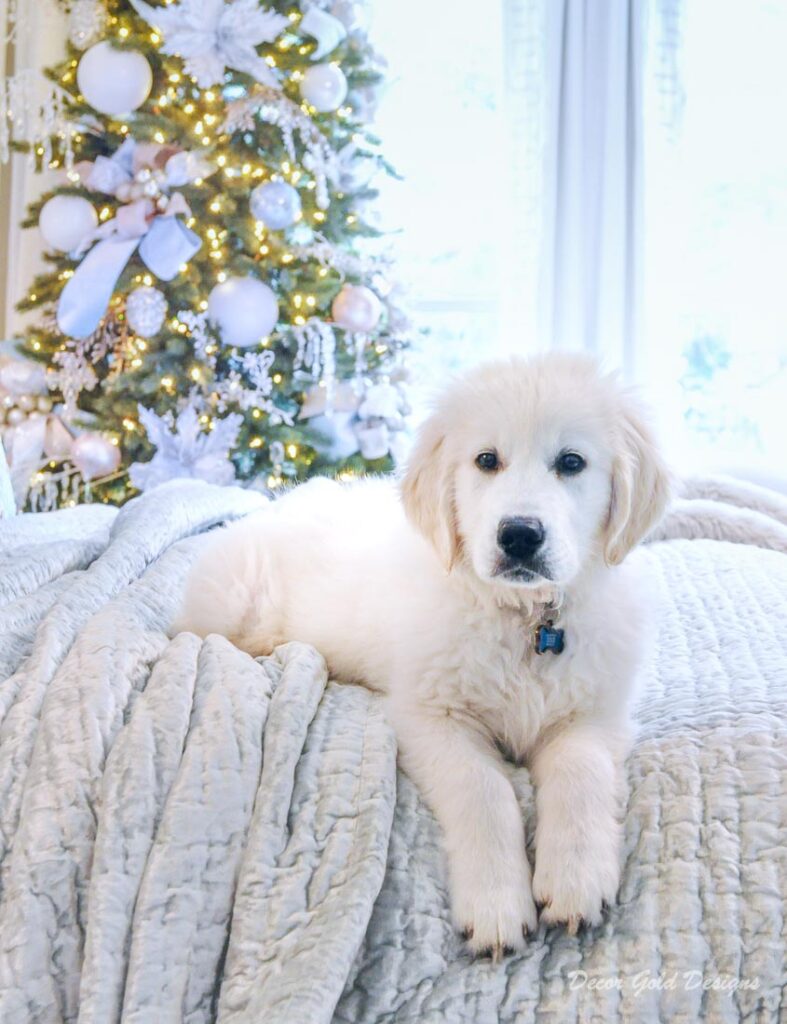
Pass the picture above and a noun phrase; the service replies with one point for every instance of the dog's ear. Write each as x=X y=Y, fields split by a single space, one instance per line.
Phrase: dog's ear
x=640 y=486
x=428 y=492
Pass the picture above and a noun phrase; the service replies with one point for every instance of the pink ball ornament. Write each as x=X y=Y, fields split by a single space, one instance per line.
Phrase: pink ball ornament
x=94 y=456
x=357 y=309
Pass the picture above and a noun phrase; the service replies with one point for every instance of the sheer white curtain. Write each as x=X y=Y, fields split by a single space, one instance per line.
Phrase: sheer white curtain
x=521 y=145
x=39 y=41
x=591 y=257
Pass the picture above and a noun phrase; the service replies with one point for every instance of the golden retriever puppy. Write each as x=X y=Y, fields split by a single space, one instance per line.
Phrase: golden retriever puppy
x=484 y=596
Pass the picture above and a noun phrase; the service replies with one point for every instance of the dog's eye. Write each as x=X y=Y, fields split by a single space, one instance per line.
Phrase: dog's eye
x=487 y=461
x=569 y=463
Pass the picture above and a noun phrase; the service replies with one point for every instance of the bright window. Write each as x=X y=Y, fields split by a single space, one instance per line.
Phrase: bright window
x=716 y=259
x=463 y=125
x=445 y=124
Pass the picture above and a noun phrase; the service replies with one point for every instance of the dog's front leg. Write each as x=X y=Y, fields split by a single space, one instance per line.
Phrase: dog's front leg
x=580 y=785
x=462 y=776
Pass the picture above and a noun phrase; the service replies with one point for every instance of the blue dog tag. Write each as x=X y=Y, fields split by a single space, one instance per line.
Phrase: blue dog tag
x=549 y=639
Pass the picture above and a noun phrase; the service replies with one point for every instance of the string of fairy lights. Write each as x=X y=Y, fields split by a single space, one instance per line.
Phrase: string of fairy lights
x=198 y=114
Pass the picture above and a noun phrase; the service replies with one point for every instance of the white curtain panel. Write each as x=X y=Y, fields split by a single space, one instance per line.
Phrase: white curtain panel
x=593 y=177
x=39 y=40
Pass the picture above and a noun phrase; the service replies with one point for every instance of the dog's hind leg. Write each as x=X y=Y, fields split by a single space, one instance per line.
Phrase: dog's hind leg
x=230 y=589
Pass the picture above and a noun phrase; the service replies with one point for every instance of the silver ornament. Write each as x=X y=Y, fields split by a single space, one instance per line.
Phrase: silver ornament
x=276 y=204
x=87 y=23
x=146 y=310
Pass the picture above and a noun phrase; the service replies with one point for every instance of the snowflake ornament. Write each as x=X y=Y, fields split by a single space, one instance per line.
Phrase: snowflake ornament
x=184 y=450
x=213 y=35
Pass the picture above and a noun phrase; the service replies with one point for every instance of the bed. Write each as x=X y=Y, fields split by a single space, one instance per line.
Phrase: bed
x=188 y=834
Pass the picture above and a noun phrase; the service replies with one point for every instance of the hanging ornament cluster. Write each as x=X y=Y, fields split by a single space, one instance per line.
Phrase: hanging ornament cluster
x=22 y=396
x=324 y=87
x=114 y=82
x=14 y=409
x=357 y=309
x=211 y=36
x=87 y=23
x=244 y=310
x=146 y=311
x=65 y=220
x=276 y=204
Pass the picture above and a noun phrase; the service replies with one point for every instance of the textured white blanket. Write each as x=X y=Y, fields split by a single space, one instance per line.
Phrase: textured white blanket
x=187 y=834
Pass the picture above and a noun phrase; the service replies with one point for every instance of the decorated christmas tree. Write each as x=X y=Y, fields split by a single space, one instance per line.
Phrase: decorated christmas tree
x=216 y=305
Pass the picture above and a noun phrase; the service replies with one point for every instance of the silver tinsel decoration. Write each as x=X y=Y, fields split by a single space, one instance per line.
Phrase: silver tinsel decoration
x=25 y=117
x=146 y=310
x=317 y=354
x=272 y=107
x=329 y=255
x=87 y=23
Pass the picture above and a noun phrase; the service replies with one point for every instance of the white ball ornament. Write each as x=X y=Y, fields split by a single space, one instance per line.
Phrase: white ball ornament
x=325 y=87
x=94 y=456
x=23 y=377
x=114 y=82
x=244 y=309
x=65 y=220
x=357 y=309
x=146 y=311
x=276 y=204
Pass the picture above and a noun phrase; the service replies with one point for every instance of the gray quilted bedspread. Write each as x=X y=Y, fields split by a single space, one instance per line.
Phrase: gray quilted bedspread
x=190 y=835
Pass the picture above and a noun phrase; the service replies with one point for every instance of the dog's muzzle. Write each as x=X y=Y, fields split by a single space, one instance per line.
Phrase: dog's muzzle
x=521 y=541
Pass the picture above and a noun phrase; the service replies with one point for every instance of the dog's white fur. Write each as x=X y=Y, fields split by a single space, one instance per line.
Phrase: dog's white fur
x=403 y=596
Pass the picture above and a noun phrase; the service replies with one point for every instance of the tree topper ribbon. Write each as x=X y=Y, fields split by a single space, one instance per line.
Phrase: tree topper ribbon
x=148 y=223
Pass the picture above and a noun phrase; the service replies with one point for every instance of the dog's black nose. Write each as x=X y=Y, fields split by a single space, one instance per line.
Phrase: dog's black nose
x=520 y=537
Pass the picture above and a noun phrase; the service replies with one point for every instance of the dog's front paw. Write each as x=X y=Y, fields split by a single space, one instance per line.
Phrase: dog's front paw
x=495 y=919
x=572 y=885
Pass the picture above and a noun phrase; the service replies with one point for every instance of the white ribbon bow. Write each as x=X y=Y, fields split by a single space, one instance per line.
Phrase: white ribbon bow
x=164 y=242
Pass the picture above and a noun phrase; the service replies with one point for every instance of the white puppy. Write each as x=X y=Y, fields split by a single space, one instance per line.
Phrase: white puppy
x=527 y=487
